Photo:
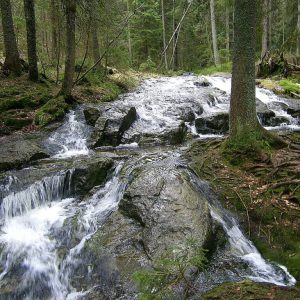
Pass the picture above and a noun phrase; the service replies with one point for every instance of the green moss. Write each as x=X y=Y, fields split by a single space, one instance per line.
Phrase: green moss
x=9 y=91
x=53 y=110
x=111 y=91
x=248 y=290
x=223 y=68
x=290 y=86
x=17 y=123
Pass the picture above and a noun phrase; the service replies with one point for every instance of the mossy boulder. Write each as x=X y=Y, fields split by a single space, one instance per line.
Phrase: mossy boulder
x=53 y=110
x=248 y=290
x=91 y=115
x=20 y=149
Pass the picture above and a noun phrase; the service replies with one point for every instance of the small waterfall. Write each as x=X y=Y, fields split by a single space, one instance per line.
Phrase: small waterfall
x=91 y=217
x=28 y=218
x=38 y=194
x=71 y=137
x=32 y=231
x=242 y=248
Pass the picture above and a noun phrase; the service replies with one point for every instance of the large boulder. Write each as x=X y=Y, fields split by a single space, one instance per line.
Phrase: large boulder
x=164 y=201
x=91 y=115
x=161 y=209
x=88 y=174
x=213 y=124
x=109 y=132
x=19 y=149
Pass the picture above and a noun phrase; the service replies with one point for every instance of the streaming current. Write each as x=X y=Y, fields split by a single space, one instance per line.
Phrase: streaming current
x=38 y=253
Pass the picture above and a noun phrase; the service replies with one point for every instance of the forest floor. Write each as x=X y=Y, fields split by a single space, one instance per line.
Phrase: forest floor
x=26 y=106
x=265 y=193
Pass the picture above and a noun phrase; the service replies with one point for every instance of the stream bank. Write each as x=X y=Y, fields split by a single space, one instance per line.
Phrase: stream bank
x=116 y=194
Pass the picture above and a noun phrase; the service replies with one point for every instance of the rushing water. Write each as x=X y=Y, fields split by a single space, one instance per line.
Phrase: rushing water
x=71 y=137
x=37 y=220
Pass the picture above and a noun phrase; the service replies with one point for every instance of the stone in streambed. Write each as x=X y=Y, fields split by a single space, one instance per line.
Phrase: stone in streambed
x=91 y=115
x=214 y=124
x=19 y=149
x=109 y=132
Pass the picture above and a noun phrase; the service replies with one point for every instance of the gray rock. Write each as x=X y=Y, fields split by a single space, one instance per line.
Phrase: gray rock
x=88 y=174
x=188 y=115
x=160 y=210
x=19 y=149
x=277 y=121
x=214 y=124
x=202 y=83
x=91 y=115
x=165 y=203
x=109 y=132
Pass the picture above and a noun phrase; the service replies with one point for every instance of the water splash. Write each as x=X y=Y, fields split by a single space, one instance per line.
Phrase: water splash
x=71 y=137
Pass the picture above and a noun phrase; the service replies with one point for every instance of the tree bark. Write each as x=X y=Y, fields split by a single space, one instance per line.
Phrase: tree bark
x=298 y=30
x=214 y=32
x=227 y=31
x=243 y=118
x=95 y=41
x=31 y=39
x=265 y=29
x=70 y=49
x=54 y=28
x=164 y=33
x=12 y=58
x=129 y=36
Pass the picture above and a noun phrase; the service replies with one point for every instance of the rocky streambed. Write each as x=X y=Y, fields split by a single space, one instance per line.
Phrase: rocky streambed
x=110 y=191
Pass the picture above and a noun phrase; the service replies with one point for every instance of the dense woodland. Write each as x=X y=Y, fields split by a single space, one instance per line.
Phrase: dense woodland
x=143 y=35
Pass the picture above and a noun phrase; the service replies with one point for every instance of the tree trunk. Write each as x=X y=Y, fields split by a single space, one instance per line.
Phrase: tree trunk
x=12 y=58
x=31 y=39
x=243 y=118
x=270 y=15
x=95 y=41
x=129 y=36
x=265 y=29
x=164 y=33
x=298 y=29
x=54 y=29
x=227 y=31
x=70 y=49
x=214 y=32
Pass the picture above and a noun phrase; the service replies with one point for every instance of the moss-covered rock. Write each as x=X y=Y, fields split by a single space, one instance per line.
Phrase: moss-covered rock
x=53 y=110
x=248 y=290
x=19 y=149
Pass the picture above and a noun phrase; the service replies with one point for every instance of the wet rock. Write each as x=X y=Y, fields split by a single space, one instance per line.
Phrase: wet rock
x=214 y=124
x=202 y=83
x=266 y=117
x=91 y=115
x=20 y=149
x=277 y=121
x=293 y=112
x=160 y=210
x=88 y=174
x=178 y=135
x=188 y=115
x=168 y=207
x=110 y=258
x=109 y=132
